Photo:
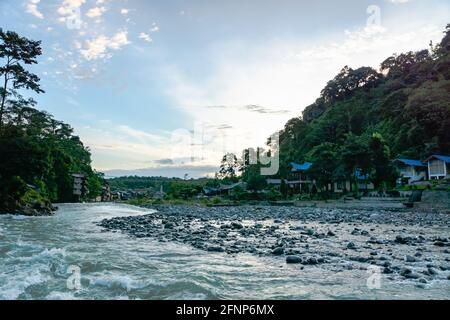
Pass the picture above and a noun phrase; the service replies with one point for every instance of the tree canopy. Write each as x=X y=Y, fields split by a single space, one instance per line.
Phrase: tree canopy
x=39 y=153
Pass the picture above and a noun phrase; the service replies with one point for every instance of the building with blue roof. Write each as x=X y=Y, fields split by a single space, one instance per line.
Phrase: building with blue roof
x=438 y=167
x=299 y=179
x=411 y=170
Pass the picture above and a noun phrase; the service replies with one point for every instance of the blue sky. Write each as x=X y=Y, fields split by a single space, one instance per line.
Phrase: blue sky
x=168 y=87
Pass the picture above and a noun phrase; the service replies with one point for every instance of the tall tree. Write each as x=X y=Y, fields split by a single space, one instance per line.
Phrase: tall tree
x=16 y=51
x=383 y=172
x=325 y=159
x=229 y=167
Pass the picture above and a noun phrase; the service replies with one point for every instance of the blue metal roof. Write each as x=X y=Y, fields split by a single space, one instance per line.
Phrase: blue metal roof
x=413 y=163
x=301 y=167
x=441 y=157
x=360 y=176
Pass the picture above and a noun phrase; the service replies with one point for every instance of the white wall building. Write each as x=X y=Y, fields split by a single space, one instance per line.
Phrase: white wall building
x=438 y=167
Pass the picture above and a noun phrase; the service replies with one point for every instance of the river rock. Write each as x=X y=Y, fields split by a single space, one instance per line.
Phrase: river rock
x=293 y=259
x=278 y=251
x=236 y=225
x=215 y=249
x=405 y=271
x=351 y=246
x=169 y=225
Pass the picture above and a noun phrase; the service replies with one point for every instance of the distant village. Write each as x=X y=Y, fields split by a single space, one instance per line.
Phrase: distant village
x=414 y=173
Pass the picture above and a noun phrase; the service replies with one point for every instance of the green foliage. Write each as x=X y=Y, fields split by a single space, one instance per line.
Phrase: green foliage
x=183 y=190
x=216 y=200
x=36 y=149
x=364 y=119
x=255 y=181
x=229 y=167
x=324 y=158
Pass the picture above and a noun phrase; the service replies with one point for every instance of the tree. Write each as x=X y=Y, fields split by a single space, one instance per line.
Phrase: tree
x=324 y=158
x=255 y=181
x=15 y=51
x=39 y=154
x=383 y=170
x=354 y=155
x=229 y=167
x=349 y=80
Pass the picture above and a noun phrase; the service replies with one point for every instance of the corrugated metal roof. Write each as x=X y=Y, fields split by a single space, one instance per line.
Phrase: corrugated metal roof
x=439 y=157
x=411 y=162
x=301 y=167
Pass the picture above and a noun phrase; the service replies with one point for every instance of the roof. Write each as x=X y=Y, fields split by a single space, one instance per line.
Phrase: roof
x=439 y=157
x=360 y=176
x=230 y=187
x=207 y=190
x=411 y=162
x=301 y=167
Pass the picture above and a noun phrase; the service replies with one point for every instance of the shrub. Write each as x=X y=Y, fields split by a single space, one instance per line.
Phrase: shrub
x=216 y=200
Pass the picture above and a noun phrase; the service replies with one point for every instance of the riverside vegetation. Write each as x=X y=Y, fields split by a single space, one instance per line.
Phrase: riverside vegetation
x=39 y=154
x=363 y=119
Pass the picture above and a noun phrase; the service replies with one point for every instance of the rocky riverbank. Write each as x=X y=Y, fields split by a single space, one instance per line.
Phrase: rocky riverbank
x=31 y=210
x=402 y=245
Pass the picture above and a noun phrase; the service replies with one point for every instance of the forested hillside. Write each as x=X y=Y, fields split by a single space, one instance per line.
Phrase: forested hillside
x=38 y=153
x=364 y=118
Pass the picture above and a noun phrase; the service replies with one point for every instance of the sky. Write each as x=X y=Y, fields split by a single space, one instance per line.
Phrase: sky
x=168 y=87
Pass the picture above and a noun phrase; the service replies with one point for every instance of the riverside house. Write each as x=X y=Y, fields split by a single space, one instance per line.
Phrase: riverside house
x=299 y=179
x=411 y=170
x=438 y=167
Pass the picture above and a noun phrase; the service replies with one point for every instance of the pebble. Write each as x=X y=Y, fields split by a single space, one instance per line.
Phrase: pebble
x=351 y=245
x=215 y=249
x=293 y=259
x=221 y=229
x=236 y=225
x=405 y=271
x=278 y=251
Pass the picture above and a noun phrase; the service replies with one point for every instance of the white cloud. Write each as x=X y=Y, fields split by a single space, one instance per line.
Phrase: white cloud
x=124 y=11
x=32 y=8
x=98 y=48
x=280 y=75
x=398 y=1
x=146 y=37
x=120 y=146
x=154 y=27
x=95 y=12
x=69 y=9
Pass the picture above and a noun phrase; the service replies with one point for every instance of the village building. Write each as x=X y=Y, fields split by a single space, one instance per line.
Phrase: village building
x=79 y=186
x=411 y=171
x=223 y=189
x=438 y=167
x=362 y=181
x=299 y=179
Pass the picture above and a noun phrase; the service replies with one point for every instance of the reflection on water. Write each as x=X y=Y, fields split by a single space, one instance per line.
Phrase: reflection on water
x=37 y=253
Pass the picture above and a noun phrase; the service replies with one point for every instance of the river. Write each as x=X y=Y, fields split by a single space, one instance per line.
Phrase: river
x=41 y=256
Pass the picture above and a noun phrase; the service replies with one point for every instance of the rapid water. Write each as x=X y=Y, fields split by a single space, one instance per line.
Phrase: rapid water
x=39 y=255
